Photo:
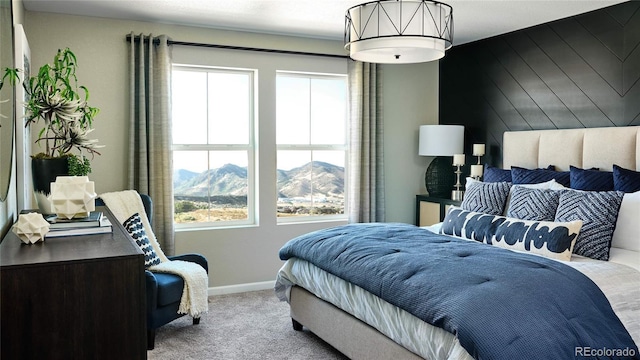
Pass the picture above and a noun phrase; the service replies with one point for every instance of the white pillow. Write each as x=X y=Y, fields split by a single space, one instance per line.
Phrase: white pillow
x=627 y=232
x=551 y=184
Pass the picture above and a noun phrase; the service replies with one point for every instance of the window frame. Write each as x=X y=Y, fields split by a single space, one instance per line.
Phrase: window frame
x=251 y=148
x=318 y=147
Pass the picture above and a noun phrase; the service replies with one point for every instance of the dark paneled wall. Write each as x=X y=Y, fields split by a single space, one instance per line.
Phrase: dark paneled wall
x=582 y=71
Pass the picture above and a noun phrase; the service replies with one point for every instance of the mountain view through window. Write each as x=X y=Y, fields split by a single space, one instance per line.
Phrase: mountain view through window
x=214 y=176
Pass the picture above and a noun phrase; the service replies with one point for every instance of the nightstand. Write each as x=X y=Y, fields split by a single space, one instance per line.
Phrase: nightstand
x=431 y=210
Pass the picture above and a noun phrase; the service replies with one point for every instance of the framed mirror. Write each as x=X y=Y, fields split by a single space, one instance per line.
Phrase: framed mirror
x=7 y=98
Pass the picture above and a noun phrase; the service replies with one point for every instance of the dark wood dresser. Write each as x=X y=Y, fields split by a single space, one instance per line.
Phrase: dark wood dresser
x=78 y=297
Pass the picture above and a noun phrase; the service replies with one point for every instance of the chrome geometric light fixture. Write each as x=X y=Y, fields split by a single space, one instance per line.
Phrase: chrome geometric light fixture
x=398 y=31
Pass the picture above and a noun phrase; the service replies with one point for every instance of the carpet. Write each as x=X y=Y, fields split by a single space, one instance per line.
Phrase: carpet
x=250 y=325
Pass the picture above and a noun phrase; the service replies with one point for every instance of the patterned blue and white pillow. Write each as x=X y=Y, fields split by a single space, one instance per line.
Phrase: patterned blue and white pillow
x=554 y=240
x=598 y=211
x=533 y=204
x=134 y=227
x=483 y=197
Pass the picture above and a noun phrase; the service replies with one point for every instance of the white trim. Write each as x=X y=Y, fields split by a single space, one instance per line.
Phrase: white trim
x=233 y=289
x=24 y=180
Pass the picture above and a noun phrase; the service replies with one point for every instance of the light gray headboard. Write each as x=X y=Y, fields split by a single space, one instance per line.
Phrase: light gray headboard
x=584 y=148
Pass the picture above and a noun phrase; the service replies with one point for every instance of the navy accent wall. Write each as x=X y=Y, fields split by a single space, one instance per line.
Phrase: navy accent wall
x=579 y=72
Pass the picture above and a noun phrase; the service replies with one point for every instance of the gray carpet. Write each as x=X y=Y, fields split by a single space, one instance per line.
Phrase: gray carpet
x=251 y=325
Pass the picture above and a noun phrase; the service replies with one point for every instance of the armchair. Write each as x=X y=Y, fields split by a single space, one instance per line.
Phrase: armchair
x=163 y=290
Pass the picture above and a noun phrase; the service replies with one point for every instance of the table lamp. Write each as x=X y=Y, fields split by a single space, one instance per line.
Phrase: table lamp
x=441 y=141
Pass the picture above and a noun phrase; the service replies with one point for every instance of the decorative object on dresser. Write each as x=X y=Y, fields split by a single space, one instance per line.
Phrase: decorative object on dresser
x=441 y=141
x=73 y=196
x=458 y=160
x=30 y=228
x=104 y=227
x=398 y=32
x=73 y=297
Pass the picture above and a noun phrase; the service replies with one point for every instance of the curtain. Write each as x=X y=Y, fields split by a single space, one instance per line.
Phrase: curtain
x=150 y=161
x=366 y=164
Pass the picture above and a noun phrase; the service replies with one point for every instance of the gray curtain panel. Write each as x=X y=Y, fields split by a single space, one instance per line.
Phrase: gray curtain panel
x=150 y=161
x=366 y=164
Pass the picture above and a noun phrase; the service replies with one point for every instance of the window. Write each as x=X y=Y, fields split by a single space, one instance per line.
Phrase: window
x=213 y=146
x=311 y=137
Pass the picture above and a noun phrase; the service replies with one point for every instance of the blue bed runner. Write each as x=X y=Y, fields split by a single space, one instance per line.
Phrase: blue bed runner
x=500 y=304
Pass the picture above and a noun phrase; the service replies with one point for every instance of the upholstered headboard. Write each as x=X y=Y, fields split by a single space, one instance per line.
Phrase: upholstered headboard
x=584 y=148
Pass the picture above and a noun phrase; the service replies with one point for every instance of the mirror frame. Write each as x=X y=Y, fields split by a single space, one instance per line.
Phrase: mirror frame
x=7 y=98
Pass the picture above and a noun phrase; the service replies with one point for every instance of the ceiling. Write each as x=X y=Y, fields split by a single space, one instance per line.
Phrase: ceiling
x=473 y=19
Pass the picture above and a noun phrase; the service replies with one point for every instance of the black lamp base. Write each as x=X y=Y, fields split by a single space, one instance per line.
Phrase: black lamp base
x=440 y=178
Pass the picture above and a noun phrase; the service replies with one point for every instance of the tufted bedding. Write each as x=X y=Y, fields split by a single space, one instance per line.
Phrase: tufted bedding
x=481 y=294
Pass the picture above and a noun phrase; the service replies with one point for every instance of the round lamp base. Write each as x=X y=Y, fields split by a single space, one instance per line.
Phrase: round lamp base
x=440 y=178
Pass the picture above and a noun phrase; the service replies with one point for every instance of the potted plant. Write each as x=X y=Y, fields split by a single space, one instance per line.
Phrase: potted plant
x=56 y=101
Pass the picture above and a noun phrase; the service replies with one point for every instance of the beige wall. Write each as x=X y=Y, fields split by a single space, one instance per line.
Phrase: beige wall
x=245 y=255
x=410 y=100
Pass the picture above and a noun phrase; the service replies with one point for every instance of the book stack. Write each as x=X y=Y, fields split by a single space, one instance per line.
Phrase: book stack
x=95 y=223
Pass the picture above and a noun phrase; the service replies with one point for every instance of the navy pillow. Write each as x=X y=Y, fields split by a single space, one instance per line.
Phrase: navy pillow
x=625 y=180
x=591 y=180
x=493 y=174
x=527 y=176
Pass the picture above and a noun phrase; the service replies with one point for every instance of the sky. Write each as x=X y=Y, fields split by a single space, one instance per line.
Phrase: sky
x=308 y=112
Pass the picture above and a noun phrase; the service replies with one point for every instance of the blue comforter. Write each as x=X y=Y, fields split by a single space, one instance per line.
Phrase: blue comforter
x=499 y=304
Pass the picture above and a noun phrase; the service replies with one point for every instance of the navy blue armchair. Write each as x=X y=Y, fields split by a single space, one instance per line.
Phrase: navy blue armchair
x=164 y=291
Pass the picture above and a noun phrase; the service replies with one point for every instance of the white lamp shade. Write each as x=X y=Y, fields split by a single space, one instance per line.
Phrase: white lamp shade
x=476 y=170
x=478 y=149
x=441 y=140
x=405 y=50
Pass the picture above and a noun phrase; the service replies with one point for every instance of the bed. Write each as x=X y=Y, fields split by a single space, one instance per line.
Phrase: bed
x=362 y=325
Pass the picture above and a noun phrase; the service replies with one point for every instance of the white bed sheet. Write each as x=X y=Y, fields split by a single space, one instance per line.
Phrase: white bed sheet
x=619 y=282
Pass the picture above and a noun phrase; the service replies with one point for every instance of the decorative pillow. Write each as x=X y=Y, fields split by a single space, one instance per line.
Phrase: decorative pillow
x=625 y=180
x=494 y=174
x=599 y=212
x=488 y=198
x=533 y=204
x=590 y=180
x=526 y=176
x=134 y=227
x=550 y=239
x=627 y=232
x=551 y=184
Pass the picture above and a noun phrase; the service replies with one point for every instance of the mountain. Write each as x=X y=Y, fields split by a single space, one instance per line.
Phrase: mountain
x=181 y=175
x=226 y=180
x=326 y=180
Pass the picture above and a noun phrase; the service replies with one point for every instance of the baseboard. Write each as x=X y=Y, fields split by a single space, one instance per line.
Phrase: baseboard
x=232 y=289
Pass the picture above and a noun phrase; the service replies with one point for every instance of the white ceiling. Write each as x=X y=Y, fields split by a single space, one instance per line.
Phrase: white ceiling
x=473 y=19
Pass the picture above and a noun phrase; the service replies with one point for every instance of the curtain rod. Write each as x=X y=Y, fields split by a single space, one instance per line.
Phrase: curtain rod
x=230 y=47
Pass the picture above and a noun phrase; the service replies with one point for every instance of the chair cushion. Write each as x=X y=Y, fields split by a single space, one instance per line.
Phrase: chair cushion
x=169 y=288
